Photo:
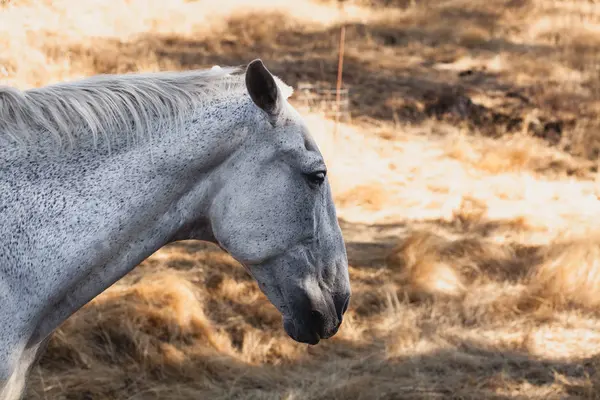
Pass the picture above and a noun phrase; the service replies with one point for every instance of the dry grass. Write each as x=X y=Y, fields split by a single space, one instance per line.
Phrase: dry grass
x=465 y=188
x=466 y=62
x=569 y=274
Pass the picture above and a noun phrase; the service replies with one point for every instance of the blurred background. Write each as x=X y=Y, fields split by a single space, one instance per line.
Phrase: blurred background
x=464 y=171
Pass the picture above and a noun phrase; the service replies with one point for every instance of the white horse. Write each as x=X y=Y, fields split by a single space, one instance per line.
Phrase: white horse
x=97 y=175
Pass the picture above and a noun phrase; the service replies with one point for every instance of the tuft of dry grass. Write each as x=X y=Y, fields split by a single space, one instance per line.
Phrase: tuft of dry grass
x=419 y=259
x=569 y=274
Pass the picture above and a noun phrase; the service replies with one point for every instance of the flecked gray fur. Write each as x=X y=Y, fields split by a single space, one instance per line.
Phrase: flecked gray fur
x=87 y=194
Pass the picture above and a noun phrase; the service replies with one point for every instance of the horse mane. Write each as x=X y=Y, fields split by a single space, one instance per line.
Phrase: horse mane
x=133 y=104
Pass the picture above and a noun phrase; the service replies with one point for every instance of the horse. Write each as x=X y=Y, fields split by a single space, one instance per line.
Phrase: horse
x=99 y=173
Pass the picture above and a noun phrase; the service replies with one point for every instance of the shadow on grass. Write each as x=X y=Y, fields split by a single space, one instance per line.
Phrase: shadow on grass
x=338 y=369
x=392 y=67
x=125 y=346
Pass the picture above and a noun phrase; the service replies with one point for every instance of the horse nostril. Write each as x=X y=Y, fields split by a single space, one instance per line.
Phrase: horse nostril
x=317 y=320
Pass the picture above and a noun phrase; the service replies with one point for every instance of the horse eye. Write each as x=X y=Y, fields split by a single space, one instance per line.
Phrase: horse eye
x=316 y=178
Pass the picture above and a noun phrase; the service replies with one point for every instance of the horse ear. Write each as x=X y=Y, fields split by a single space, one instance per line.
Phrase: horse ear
x=262 y=88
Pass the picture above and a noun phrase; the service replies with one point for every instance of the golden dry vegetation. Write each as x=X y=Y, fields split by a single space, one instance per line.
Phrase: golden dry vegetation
x=465 y=184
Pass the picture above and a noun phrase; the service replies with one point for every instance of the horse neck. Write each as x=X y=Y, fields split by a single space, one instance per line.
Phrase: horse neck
x=171 y=174
x=94 y=216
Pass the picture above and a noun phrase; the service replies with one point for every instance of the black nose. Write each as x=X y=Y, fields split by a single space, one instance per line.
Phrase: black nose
x=321 y=316
x=316 y=317
x=323 y=322
x=317 y=323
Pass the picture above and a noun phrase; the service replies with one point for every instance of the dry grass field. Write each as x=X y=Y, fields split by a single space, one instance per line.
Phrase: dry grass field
x=465 y=185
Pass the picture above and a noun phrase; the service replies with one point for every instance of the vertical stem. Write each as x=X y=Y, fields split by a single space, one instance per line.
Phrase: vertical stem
x=340 y=68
